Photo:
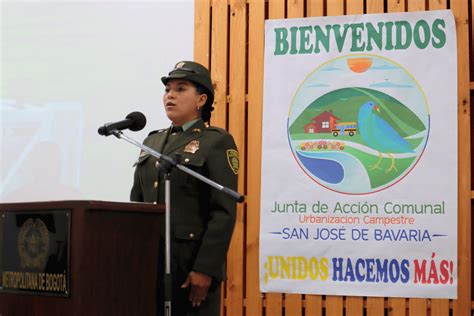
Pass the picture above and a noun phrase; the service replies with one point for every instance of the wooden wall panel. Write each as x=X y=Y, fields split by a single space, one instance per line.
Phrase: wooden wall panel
x=219 y=62
x=355 y=304
x=335 y=304
x=375 y=305
x=439 y=307
x=315 y=7
x=375 y=6
x=417 y=306
x=229 y=38
x=437 y=5
x=396 y=306
x=294 y=302
x=462 y=306
x=334 y=7
x=253 y=299
x=395 y=6
x=237 y=127
x=202 y=34
x=274 y=301
x=355 y=7
x=314 y=303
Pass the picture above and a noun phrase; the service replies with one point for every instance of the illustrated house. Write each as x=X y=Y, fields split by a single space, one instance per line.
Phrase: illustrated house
x=323 y=123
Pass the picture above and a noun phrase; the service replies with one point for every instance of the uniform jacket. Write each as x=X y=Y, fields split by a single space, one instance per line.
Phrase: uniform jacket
x=202 y=218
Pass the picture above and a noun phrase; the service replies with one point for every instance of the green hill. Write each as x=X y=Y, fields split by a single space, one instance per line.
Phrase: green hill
x=345 y=104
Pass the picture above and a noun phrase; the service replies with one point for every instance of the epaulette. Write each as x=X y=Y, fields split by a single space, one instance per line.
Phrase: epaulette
x=157 y=131
x=217 y=129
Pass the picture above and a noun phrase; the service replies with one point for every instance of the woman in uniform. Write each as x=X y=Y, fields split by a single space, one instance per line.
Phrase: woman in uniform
x=202 y=218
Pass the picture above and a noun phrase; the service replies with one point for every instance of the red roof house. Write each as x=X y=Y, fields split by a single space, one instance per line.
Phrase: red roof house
x=323 y=123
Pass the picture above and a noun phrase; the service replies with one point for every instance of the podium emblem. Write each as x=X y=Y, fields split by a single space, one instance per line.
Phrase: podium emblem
x=33 y=244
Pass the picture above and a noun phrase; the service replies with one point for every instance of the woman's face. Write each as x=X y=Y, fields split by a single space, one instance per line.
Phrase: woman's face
x=182 y=101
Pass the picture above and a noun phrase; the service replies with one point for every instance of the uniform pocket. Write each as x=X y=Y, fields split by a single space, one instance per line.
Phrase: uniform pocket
x=192 y=161
x=188 y=232
x=185 y=246
x=186 y=182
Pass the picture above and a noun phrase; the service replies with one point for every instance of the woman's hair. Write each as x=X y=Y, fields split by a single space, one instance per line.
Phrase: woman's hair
x=207 y=108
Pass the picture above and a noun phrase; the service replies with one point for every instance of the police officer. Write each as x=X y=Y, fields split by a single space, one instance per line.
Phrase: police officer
x=202 y=218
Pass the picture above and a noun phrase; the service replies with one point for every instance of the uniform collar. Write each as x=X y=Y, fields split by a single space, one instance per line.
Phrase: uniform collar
x=191 y=133
x=187 y=125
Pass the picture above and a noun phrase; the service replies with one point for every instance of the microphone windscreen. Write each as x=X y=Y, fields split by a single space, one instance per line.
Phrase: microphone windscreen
x=139 y=121
x=102 y=130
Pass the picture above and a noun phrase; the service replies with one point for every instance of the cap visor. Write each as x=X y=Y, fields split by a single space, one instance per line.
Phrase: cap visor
x=174 y=75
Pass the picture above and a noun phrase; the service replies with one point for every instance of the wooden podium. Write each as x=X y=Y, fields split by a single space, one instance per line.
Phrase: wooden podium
x=111 y=265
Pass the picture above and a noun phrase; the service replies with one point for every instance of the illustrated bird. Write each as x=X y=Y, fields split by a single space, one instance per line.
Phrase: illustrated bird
x=380 y=135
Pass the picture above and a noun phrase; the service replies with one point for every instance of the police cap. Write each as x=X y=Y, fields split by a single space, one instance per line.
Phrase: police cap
x=193 y=72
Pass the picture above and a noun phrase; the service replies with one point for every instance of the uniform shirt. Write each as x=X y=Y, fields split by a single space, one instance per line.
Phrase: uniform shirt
x=202 y=218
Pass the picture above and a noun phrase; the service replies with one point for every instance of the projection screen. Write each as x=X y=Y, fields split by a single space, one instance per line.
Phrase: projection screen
x=68 y=67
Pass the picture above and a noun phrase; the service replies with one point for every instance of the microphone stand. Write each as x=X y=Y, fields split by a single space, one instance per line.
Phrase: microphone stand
x=167 y=163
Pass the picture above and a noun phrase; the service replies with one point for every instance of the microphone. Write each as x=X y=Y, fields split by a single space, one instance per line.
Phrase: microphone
x=134 y=121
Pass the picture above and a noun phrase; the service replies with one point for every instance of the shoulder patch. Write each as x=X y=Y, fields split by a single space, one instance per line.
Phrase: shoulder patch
x=233 y=160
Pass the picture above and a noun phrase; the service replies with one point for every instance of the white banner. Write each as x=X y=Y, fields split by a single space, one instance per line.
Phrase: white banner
x=359 y=157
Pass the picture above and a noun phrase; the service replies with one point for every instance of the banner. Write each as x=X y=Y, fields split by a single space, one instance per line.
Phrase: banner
x=359 y=156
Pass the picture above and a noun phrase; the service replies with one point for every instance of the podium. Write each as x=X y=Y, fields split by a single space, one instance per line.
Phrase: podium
x=107 y=266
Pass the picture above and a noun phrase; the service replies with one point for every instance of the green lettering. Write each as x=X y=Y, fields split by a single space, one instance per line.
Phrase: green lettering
x=403 y=28
x=389 y=36
x=322 y=38
x=340 y=38
x=281 y=42
x=305 y=32
x=422 y=26
x=294 y=34
x=375 y=36
x=438 y=33
x=357 y=37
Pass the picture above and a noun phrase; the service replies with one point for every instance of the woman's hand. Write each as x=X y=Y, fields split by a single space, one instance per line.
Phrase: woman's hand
x=200 y=283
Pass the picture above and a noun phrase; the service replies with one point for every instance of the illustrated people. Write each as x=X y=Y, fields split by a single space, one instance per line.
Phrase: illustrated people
x=202 y=218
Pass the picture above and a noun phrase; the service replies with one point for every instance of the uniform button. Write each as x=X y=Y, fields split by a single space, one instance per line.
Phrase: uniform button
x=191 y=235
x=157 y=164
x=186 y=160
x=155 y=184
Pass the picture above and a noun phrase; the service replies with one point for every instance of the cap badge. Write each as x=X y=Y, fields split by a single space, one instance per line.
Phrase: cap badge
x=192 y=147
x=179 y=65
x=197 y=130
x=233 y=159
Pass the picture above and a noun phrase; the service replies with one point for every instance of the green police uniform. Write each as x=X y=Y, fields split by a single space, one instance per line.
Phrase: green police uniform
x=202 y=218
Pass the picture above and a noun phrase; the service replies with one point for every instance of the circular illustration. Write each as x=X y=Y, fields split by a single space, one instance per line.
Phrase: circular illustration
x=358 y=124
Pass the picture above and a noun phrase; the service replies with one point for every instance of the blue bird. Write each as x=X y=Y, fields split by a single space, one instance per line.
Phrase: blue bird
x=379 y=135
